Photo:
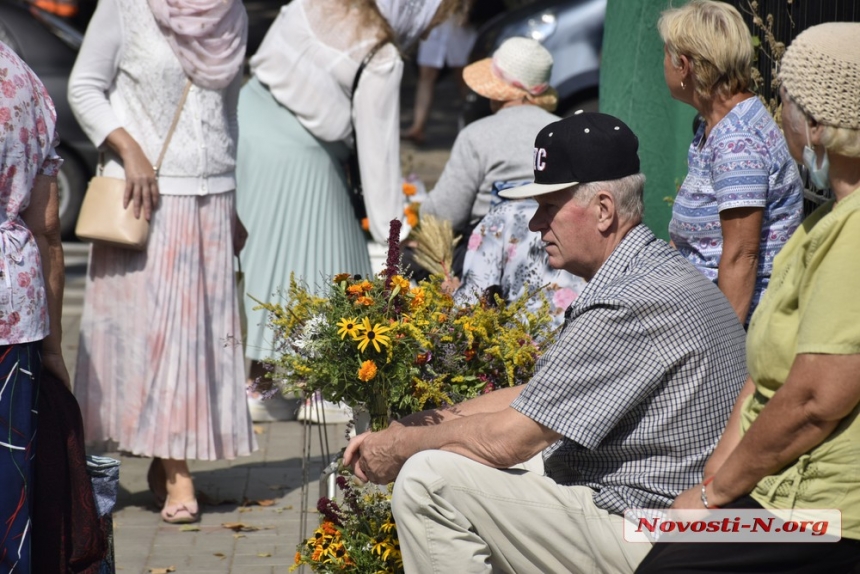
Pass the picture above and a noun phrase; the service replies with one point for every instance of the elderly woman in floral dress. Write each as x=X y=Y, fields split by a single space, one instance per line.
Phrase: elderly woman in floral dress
x=31 y=289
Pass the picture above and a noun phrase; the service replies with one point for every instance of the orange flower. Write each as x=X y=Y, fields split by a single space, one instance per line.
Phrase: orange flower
x=355 y=290
x=422 y=358
x=366 y=285
x=341 y=277
x=409 y=189
x=364 y=300
x=298 y=558
x=411 y=215
x=329 y=528
x=417 y=297
x=469 y=354
x=367 y=371
x=442 y=317
x=365 y=224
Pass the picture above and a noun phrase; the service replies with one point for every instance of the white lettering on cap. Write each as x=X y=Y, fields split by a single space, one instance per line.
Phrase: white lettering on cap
x=539 y=159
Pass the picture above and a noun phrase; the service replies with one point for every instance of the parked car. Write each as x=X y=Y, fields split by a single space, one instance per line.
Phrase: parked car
x=572 y=31
x=49 y=45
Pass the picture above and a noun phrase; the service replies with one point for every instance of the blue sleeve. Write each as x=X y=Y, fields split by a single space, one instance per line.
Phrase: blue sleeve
x=740 y=168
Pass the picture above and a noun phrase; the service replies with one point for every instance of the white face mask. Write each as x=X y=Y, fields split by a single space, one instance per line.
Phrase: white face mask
x=819 y=176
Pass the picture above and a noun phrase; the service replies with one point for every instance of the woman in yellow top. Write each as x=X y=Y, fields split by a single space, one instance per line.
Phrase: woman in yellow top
x=793 y=439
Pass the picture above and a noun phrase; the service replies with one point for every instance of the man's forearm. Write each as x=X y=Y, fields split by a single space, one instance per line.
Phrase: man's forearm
x=497 y=439
x=495 y=401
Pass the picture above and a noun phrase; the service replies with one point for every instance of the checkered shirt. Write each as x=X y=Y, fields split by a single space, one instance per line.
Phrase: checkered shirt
x=642 y=379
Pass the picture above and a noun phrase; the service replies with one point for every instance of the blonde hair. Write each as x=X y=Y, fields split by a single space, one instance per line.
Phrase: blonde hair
x=713 y=36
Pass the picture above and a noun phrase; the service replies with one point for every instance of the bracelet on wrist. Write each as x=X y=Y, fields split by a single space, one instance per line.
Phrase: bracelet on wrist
x=705 y=483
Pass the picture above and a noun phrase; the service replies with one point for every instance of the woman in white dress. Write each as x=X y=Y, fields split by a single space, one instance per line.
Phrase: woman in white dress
x=296 y=115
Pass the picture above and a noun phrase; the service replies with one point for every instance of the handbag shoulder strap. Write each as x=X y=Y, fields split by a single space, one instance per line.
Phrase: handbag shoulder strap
x=169 y=135
x=167 y=138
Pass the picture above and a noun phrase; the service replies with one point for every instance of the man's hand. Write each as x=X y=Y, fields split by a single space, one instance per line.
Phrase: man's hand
x=373 y=456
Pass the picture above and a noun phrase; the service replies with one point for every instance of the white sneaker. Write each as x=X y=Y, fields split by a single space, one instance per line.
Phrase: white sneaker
x=319 y=411
x=274 y=409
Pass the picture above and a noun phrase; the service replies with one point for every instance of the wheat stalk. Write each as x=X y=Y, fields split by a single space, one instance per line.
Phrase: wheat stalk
x=435 y=245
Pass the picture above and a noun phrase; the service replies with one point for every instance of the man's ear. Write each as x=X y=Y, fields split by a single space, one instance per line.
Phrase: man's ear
x=605 y=206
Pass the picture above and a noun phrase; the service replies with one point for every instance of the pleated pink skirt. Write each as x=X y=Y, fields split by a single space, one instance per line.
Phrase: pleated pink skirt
x=160 y=366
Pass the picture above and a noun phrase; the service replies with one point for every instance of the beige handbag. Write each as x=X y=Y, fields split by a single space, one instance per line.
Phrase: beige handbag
x=103 y=219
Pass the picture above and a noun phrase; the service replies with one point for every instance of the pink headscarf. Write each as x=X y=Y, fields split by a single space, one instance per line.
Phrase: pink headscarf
x=208 y=36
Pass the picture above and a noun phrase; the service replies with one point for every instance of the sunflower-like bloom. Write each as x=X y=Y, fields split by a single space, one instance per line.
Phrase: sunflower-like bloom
x=372 y=335
x=400 y=281
x=367 y=371
x=349 y=327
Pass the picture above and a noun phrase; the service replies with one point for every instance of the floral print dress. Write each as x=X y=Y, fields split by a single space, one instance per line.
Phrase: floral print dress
x=502 y=251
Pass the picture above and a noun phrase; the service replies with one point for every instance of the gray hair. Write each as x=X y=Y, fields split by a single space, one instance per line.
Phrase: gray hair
x=627 y=191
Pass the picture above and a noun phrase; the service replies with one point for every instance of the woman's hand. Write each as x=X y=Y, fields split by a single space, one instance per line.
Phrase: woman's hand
x=54 y=364
x=240 y=235
x=141 y=186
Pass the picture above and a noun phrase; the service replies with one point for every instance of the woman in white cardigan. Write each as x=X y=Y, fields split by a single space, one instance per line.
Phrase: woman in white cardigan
x=160 y=368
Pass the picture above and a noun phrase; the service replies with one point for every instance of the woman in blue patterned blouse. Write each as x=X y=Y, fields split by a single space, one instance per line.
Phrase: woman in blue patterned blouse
x=742 y=197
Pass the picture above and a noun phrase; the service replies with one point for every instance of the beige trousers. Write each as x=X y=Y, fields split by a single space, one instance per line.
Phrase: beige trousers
x=457 y=516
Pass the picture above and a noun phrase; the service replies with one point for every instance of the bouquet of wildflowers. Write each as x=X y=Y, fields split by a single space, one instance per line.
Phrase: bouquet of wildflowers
x=393 y=348
x=358 y=535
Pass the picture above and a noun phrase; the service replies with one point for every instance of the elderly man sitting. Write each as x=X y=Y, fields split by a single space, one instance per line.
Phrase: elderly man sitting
x=627 y=405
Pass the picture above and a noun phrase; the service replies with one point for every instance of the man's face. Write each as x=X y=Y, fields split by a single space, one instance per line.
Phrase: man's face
x=568 y=227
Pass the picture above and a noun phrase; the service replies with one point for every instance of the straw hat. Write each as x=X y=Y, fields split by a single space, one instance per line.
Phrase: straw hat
x=520 y=68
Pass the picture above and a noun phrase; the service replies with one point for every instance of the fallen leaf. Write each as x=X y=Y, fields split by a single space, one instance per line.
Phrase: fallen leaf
x=220 y=555
x=258 y=429
x=240 y=527
x=189 y=528
x=162 y=570
x=262 y=502
x=264 y=555
x=238 y=536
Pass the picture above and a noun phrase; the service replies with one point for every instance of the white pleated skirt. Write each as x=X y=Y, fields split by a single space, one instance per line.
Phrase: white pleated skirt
x=160 y=366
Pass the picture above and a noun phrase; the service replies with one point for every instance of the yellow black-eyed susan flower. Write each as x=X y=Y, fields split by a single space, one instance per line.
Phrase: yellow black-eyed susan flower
x=372 y=335
x=348 y=326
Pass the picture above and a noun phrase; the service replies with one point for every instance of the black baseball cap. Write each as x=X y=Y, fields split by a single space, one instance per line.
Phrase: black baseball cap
x=583 y=148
